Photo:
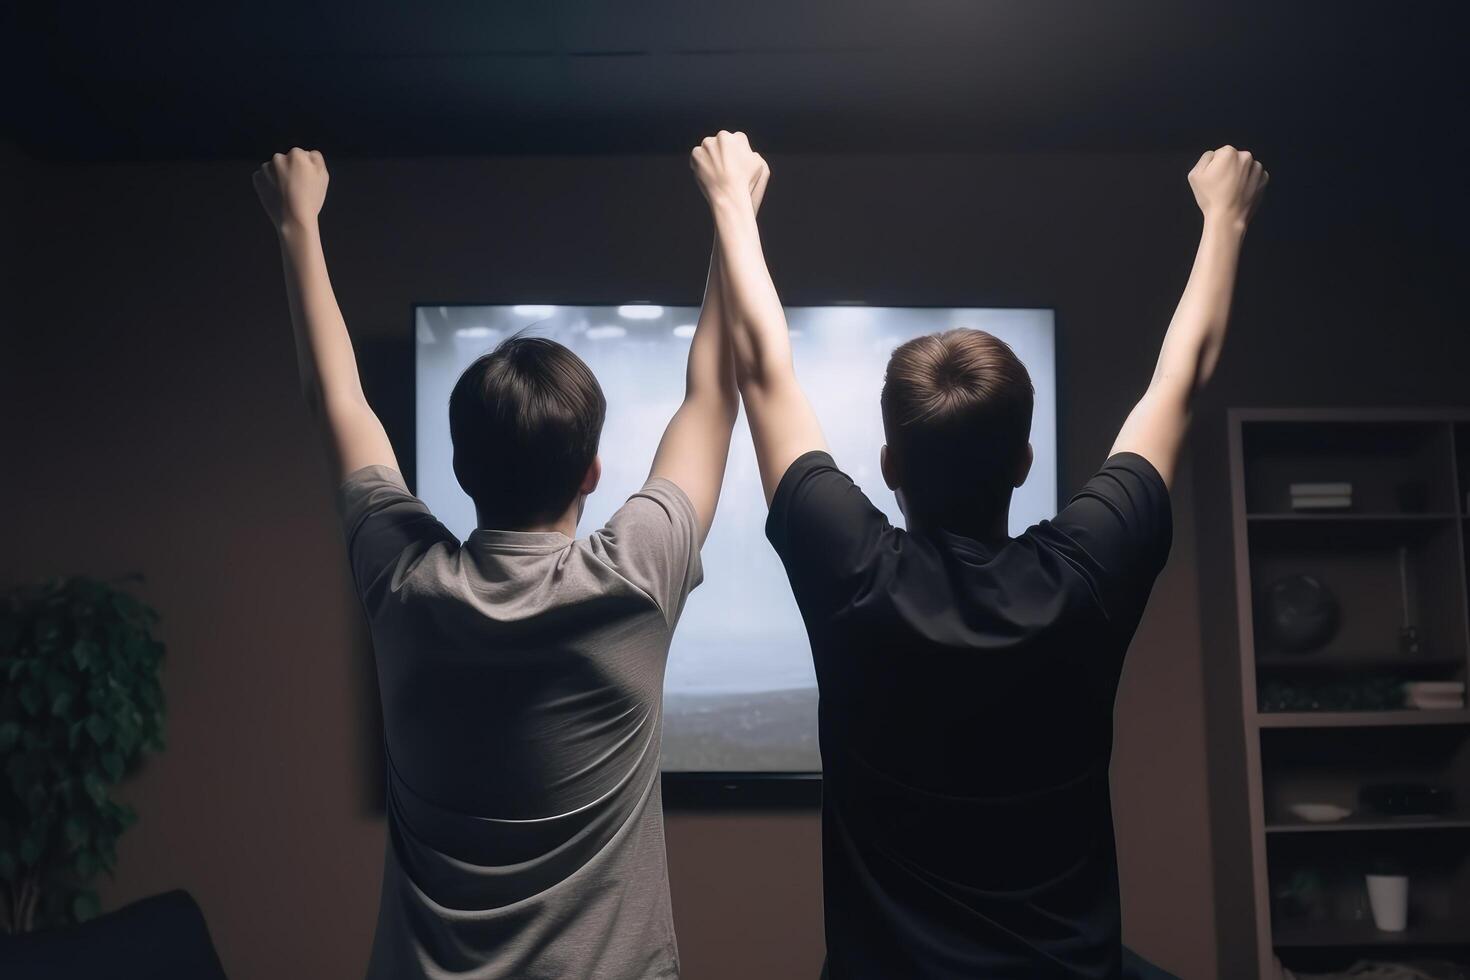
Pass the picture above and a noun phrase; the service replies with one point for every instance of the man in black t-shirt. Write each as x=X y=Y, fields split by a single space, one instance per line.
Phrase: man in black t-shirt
x=967 y=678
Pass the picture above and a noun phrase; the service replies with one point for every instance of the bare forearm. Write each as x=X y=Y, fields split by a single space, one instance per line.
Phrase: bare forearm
x=292 y=188
x=1196 y=334
x=782 y=422
x=696 y=444
x=1227 y=184
x=325 y=358
x=710 y=376
x=351 y=431
x=757 y=321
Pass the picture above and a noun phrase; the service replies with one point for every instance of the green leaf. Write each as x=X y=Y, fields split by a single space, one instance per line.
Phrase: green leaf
x=124 y=733
x=85 y=865
x=83 y=652
x=30 y=852
x=113 y=764
x=9 y=735
x=95 y=787
x=85 y=906
x=107 y=853
x=61 y=705
x=7 y=865
x=99 y=728
x=16 y=666
x=30 y=699
x=75 y=831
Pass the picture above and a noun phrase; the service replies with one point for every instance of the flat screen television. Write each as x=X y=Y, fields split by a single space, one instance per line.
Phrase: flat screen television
x=740 y=694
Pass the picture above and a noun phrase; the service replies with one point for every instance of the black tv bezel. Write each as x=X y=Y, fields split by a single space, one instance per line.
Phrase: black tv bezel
x=683 y=789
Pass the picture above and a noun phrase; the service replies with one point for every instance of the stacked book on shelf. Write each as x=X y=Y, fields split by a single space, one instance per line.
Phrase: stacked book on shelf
x=1321 y=496
x=1434 y=695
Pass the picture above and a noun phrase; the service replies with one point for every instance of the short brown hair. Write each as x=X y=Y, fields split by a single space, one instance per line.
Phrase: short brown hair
x=957 y=415
x=525 y=420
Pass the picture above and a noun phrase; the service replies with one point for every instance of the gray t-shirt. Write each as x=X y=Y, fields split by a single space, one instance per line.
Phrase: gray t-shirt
x=522 y=675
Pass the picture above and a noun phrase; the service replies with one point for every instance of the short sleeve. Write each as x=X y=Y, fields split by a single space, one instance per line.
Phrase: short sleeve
x=826 y=531
x=383 y=523
x=1117 y=530
x=653 y=542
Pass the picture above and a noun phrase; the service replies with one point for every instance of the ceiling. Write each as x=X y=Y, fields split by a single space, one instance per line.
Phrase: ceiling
x=392 y=77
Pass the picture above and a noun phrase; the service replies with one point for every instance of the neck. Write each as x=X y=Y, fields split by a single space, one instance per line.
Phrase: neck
x=989 y=528
x=565 y=523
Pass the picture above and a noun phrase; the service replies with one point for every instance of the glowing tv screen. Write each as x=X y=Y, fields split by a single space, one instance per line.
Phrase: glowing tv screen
x=740 y=692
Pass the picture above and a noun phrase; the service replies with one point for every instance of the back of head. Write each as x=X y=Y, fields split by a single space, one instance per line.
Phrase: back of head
x=525 y=420
x=957 y=415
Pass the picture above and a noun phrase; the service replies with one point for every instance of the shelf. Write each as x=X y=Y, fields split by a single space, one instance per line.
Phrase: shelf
x=1326 y=934
x=1371 y=824
x=1360 y=719
x=1346 y=515
x=1389 y=660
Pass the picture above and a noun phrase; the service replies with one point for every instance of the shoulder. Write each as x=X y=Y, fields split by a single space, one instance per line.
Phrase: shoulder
x=660 y=501
x=815 y=502
x=1116 y=532
x=652 y=541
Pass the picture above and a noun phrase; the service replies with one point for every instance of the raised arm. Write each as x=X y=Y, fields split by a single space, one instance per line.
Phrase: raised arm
x=292 y=187
x=696 y=445
x=782 y=423
x=1227 y=185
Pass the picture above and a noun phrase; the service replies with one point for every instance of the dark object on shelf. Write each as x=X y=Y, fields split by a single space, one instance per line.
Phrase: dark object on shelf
x=161 y=938
x=1302 y=896
x=1380 y=692
x=1413 y=496
x=1407 y=799
x=1300 y=613
x=1408 y=633
x=1321 y=496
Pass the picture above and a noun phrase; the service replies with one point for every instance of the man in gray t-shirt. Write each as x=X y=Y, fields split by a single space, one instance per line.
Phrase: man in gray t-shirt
x=522 y=675
x=521 y=670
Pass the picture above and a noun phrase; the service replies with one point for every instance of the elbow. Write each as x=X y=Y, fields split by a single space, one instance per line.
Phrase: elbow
x=745 y=351
x=720 y=404
x=759 y=371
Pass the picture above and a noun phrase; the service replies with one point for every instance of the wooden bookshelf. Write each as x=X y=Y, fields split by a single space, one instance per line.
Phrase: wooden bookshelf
x=1397 y=556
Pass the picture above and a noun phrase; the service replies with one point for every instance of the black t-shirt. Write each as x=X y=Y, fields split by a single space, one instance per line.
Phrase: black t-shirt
x=966 y=723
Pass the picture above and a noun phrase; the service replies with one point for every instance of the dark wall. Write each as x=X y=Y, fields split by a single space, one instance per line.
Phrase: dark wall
x=153 y=424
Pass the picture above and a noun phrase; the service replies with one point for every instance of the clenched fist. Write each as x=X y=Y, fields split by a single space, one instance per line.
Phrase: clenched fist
x=725 y=165
x=1228 y=184
x=292 y=186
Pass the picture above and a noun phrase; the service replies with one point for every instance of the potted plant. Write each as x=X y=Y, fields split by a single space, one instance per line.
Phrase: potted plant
x=80 y=702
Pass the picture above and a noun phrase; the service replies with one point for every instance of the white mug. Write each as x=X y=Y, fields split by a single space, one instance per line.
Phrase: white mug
x=1389 y=897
